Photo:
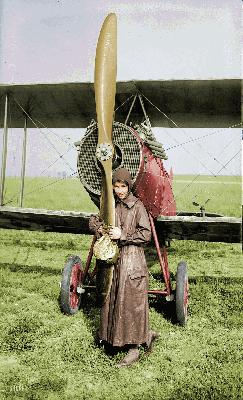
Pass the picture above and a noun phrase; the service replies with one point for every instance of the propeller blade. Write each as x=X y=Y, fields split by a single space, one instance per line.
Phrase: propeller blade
x=105 y=77
x=105 y=90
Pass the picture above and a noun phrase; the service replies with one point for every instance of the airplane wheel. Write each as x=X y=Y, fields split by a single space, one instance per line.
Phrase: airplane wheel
x=72 y=276
x=181 y=293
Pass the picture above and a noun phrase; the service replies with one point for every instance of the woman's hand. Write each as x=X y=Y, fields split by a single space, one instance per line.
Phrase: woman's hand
x=101 y=230
x=115 y=233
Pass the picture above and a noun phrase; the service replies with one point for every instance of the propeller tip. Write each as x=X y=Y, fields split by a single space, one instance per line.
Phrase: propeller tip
x=110 y=19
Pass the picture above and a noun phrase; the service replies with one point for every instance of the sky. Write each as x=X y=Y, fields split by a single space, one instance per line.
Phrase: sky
x=55 y=41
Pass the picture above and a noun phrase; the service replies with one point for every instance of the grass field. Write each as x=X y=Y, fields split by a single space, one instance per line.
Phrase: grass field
x=47 y=355
x=224 y=193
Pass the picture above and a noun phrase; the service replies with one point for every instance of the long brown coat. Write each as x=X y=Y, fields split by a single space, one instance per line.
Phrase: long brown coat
x=125 y=314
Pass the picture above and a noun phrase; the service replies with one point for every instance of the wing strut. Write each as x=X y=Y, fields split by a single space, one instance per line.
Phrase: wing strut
x=144 y=111
x=4 y=151
x=130 y=110
x=23 y=163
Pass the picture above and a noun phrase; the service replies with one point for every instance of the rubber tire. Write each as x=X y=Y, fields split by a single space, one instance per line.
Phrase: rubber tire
x=181 y=293
x=70 y=300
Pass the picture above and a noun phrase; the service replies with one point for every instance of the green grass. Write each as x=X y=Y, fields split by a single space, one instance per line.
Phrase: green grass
x=50 y=193
x=224 y=193
x=47 y=355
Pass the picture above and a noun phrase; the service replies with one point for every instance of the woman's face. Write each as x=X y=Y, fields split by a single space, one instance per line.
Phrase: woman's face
x=120 y=189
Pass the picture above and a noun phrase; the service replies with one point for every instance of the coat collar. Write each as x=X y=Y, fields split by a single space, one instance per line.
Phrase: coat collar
x=129 y=201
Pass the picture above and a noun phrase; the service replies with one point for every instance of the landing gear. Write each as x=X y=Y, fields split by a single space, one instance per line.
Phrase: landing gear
x=73 y=284
x=181 y=293
x=71 y=291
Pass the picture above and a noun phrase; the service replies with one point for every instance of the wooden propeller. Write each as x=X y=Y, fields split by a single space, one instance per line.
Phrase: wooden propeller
x=105 y=90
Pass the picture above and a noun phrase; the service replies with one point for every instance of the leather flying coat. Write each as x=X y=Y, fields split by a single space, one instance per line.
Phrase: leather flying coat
x=125 y=314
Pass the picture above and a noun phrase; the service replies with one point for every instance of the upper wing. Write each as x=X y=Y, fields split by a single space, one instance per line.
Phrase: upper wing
x=191 y=103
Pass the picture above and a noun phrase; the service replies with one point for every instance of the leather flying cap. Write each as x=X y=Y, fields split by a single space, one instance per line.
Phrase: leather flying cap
x=122 y=174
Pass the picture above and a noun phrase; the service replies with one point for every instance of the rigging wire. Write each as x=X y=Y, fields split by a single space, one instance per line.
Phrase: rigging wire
x=60 y=155
x=227 y=145
x=232 y=158
x=176 y=197
x=179 y=194
x=192 y=155
x=209 y=154
x=44 y=186
x=46 y=137
x=192 y=139
x=206 y=168
x=55 y=161
x=182 y=145
x=195 y=178
x=54 y=133
x=42 y=172
x=213 y=157
x=124 y=102
x=203 y=137
x=177 y=145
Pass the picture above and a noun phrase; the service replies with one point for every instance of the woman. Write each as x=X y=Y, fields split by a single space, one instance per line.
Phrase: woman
x=125 y=314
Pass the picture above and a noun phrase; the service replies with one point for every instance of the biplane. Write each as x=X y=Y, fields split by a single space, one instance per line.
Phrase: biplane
x=138 y=105
x=204 y=103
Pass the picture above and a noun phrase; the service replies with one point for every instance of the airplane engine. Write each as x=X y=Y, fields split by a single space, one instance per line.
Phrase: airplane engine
x=151 y=182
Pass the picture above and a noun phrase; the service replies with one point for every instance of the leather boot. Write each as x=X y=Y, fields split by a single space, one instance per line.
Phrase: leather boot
x=152 y=337
x=131 y=357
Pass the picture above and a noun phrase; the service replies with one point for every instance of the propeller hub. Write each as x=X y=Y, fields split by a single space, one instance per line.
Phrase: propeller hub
x=104 y=151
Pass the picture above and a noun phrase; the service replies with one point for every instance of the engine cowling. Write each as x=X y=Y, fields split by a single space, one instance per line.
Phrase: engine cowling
x=151 y=182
